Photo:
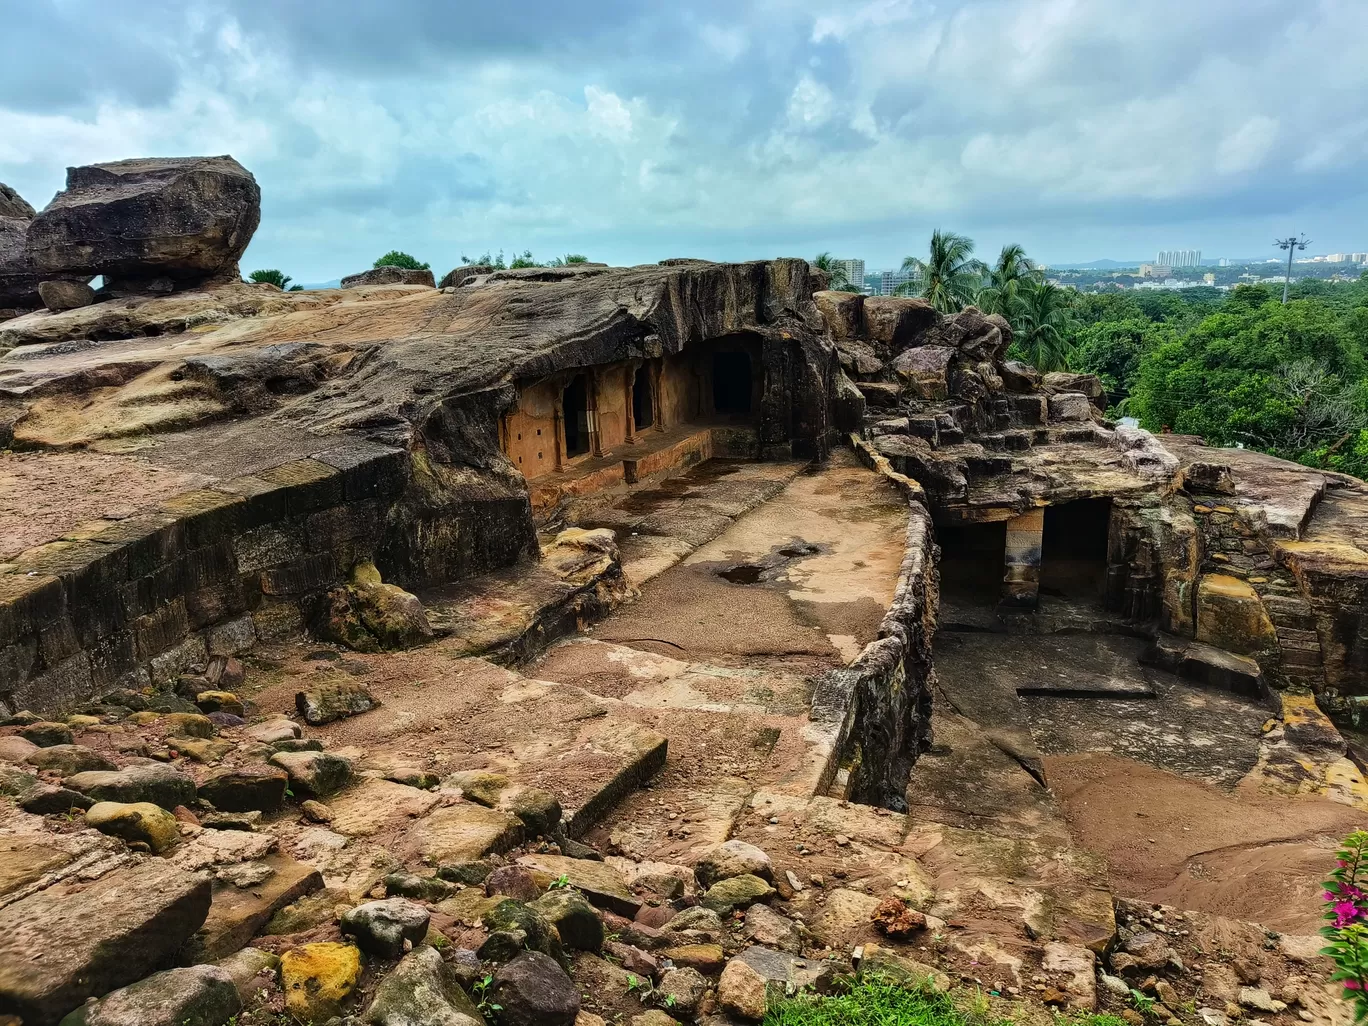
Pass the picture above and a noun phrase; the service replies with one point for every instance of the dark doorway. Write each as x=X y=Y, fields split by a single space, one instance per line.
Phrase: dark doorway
x=731 y=382
x=1073 y=557
x=972 y=562
x=575 y=404
x=641 y=399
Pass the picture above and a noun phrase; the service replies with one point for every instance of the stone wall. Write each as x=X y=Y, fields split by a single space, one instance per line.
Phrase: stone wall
x=138 y=601
x=876 y=712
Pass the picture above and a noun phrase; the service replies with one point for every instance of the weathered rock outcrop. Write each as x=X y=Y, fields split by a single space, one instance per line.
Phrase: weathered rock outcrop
x=14 y=205
x=390 y=276
x=187 y=219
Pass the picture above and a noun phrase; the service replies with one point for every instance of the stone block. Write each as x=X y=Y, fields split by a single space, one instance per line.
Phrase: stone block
x=80 y=939
x=206 y=516
x=308 y=484
x=1231 y=616
x=308 y=574
x=368 y=470
x=843 y=312
x=1069 y=407
x=895 y=320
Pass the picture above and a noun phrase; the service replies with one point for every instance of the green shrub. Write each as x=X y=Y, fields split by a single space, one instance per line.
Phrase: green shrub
x=398 y=258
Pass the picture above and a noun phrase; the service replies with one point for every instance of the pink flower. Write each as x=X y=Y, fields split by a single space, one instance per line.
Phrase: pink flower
x=1330 y=896
x=1352 y=984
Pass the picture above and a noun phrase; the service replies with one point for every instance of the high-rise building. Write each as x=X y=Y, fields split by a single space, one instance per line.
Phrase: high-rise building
x=854 y=273
x=1359 y=258
x=1180 y=257
x=890 y=280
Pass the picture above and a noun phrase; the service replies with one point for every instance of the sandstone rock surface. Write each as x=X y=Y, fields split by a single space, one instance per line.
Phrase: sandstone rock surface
x=201 y=995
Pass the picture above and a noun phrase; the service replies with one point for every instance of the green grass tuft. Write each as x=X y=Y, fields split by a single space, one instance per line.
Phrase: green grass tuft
x=872 y=1002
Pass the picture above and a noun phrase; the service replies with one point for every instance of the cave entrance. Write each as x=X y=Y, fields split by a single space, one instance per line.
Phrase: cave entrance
x=642 y=399
x=971 y=562
x=1073 y=559
x=731 y=382
x=578 y=421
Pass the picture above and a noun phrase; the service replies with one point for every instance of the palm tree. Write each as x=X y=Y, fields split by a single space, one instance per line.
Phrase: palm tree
x=271 y=276
x=1001 y=291
x=1041 y=332
x=837 y=279
x=950 y=278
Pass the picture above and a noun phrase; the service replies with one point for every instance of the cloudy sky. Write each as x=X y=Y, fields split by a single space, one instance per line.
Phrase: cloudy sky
x=633 y=130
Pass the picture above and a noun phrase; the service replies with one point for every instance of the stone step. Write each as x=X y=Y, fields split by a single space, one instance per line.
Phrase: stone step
x=1298 y=638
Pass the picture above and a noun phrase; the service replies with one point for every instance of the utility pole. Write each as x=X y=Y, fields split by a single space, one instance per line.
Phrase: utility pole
x=1291 y=244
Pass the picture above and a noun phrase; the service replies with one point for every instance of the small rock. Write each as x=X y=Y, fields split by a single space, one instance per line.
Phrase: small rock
x=1165 y=992
x=895 y=919
x=315 y=811
x=137 y=821
x=276 y=729
x=68 y=760
x=483 y=787
x=143 y=782
x=314 y=774
x=1114 y=985
x=533 y=990
x=512 y=882
x=706 y=958
x=381 y=928
x=732 y=859
x=632 y=958
x=742 y=991
x=186 y=724
x=571 y=914
x=334 y=701
x=202 y=751
x=409 y=776
x=45 y=733
x=245 y=788
x=769 y=929
x=539 y=811
x=423 y=990
x=220 y=701
x=682 y=990
x=736 y=892
x=1260 y=1000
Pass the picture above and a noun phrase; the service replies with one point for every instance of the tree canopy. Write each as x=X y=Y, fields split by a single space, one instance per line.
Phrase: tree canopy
x=949 y=279
x=398 y=258
x=270 y=276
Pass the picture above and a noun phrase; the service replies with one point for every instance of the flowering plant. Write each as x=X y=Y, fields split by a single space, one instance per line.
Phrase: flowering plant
x=1347 y=913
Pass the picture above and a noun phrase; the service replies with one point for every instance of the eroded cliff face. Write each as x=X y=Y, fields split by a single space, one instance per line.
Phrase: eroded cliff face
x=330 y=428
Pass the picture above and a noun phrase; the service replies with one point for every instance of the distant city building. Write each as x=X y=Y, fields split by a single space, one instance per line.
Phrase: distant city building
x=854 y=272
x=1337 y=258
x=1155 y=270
x=890 y=280
x=1224 y=262
x=1180 y=258
x=1359 y=258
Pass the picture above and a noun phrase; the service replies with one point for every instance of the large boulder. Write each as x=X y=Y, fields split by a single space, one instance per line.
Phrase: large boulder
x=62 y=294
x=186 y=219
x=200 y=995
x=142 y=782
x=80 y=939
x=390 y=276
x=458 y=276
x=896 y=321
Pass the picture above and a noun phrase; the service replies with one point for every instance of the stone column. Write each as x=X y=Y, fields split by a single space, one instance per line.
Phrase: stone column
x=1021 y=581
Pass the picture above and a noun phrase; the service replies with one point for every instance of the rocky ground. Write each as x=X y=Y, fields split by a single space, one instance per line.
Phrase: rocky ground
x=623 y=831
